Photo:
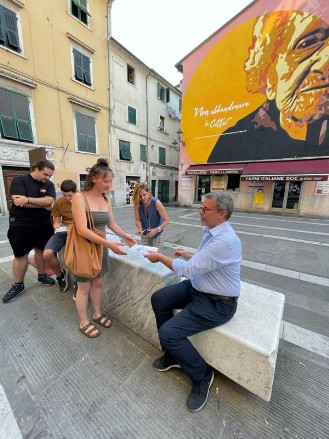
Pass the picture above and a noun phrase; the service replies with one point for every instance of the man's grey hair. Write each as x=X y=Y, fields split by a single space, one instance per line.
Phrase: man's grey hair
x=223 y=201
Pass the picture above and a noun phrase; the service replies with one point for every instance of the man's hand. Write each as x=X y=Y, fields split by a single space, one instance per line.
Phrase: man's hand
x=152 y=256
x=20 y=200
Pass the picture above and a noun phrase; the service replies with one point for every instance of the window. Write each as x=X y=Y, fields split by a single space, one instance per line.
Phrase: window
x=163 y=93
x=81 y=67
x=233 y=181
x=15 y=119
x=132 y=115
x=143 y=155
x=180 y=105
x=130 y=74
x=162 y=156
x=79 y=10
x=8 y=29
x=124 y=148
x=86 y=133
x=162 y=123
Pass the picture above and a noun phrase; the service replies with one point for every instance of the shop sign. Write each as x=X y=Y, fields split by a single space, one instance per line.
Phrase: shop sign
x=284 y=177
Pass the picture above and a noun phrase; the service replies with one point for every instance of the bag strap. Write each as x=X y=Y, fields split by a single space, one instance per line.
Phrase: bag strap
x=90 y=218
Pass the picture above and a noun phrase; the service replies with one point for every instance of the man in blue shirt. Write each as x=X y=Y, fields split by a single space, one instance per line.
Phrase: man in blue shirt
x=208 y=297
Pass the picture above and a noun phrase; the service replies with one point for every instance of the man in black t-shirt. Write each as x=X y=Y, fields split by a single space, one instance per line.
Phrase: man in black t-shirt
x=30 y=224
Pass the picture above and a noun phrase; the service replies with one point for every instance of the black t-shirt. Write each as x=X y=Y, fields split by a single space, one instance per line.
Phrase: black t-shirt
x=26 y=185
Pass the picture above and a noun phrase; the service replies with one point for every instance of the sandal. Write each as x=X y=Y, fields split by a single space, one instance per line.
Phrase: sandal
x=104 y=321
x=88 y=329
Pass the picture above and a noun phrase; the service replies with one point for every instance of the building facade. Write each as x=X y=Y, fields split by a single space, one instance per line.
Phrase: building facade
x=144 y=128
x=255 y=110
x=54 y=87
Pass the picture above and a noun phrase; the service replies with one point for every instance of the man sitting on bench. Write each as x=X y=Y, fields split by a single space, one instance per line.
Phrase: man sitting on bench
x=208 y=297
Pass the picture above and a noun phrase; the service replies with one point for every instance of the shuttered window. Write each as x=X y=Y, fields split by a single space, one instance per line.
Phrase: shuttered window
x=8 y=29
x=15 y=119
x=79 y=10
x=132 y=115
x=162 y=156
x=81 y=67
x=86 y=133
x=124 y=150
x=143 y=156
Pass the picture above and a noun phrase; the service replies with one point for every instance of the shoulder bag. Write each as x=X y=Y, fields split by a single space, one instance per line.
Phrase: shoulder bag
x=83 y=257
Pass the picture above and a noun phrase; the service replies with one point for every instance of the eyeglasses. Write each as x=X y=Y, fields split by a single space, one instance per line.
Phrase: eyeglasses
x=206 y=209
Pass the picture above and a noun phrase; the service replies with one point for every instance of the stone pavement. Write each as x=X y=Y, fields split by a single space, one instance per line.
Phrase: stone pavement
x=56 y=383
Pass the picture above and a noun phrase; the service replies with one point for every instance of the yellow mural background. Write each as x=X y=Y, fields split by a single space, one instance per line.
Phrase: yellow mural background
x=219 y=80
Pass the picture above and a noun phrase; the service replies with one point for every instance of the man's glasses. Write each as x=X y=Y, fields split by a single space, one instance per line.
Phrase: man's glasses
x=206 y=209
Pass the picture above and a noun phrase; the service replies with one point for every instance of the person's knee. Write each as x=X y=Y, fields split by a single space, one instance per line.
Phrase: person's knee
x=167 y=336
x=48 y=254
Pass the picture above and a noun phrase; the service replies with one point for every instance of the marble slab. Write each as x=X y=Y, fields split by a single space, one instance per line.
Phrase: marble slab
x=244 y=349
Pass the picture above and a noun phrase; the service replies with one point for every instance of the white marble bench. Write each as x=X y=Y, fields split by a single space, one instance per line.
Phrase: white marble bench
x=244 y=349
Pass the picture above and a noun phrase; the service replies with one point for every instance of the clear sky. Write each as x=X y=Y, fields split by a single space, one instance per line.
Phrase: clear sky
x=161 y=33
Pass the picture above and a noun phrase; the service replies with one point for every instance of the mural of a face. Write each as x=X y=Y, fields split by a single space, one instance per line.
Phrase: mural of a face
x=289 y=62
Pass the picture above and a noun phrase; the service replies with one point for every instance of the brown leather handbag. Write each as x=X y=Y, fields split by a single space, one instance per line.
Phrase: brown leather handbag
x=83 y=257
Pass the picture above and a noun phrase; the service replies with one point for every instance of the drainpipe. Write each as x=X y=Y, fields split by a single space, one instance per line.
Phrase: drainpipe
x=147 y=129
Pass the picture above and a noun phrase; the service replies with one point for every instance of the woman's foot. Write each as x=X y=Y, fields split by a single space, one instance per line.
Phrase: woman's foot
x=89 y=330
x=103 y=320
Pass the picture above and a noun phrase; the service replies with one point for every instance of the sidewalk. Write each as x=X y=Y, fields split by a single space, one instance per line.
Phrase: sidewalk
x=59 y=384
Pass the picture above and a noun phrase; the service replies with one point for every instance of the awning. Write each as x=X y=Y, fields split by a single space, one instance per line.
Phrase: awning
x=290 y=170
x=215 y=169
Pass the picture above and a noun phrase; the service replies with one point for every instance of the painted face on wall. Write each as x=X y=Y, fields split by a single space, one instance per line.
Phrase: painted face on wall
x=291 y=51
x=302 y=89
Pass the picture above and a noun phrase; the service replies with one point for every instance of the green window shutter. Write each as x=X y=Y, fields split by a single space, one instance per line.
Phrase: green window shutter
x=77 y=65
x=142 y=155
x=86 y=69
x=162 y=156
x=15 y=119
x=2 y=27
x=124 y=148
x=180 y=105
x=81 y=4
x=132 y=115
x=86 y=134
x=167 y=95
x=10 y=20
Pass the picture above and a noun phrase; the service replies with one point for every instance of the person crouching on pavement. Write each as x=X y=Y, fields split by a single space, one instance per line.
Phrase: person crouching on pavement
x=208 y=296
x=62 y=217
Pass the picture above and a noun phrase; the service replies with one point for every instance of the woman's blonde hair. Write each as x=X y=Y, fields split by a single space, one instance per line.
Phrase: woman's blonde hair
x=137 y=189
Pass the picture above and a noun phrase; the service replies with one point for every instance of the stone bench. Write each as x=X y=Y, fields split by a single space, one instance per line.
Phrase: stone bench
x=244 y=349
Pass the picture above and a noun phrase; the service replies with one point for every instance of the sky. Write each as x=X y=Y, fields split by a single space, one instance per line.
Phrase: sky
x=161 y=33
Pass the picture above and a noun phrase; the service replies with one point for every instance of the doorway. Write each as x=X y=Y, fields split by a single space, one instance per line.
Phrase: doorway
x=286 y=195
x=203 y=187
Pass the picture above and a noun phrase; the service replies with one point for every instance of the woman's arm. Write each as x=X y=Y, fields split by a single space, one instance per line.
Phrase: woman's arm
x=138 y=221
x=163 y=213
x=116 y=229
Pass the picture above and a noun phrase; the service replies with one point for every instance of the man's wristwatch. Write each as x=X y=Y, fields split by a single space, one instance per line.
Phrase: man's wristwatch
x=160 y=230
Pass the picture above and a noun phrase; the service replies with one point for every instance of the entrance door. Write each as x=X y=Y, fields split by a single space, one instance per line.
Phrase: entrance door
x=286 y=195
x=8 y=174
x=203 y=188
x=163 y=191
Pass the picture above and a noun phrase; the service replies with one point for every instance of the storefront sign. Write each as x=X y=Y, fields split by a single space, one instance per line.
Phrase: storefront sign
x=322 y=188
x=218 y=183
x=212 y=171
x=284 y=177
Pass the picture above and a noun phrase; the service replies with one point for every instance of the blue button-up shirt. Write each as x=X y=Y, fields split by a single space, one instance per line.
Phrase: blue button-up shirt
x=215 y=267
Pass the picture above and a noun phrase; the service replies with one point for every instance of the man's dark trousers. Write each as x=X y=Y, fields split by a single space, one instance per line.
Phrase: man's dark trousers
x=199 y=313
